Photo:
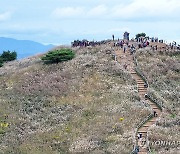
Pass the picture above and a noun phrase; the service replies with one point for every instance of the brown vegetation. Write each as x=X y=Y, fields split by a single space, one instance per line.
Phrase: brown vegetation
x=163 y=72
x=70 y=107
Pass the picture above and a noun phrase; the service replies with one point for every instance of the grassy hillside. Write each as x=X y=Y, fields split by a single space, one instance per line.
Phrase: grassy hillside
x=70 y=107
x=163 y=72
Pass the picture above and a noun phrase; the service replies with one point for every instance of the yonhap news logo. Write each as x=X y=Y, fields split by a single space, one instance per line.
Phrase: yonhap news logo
x=159 y=143
x=163 y=143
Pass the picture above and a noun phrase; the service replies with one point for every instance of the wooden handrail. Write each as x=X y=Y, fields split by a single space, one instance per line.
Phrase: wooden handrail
x=160 y=106
x=145 y=120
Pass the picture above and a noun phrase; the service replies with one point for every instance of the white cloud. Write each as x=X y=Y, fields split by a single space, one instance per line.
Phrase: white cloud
x=68 y=12
x=80 y=12
x=136 y=9
x=97 y=11
x=147 y=8
x=5 y=16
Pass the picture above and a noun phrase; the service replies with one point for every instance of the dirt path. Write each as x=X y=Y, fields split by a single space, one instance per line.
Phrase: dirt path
x=127 y=59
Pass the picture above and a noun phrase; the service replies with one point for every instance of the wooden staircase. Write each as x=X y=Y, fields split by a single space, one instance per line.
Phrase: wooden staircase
x=142 y=90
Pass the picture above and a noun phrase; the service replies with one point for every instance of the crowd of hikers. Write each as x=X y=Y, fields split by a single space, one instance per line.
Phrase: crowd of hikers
x=140 y=42
x=143 y=42
x=85 y=43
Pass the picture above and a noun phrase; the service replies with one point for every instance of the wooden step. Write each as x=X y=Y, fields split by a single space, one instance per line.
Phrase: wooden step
x=142 y=150
x=140 y=82
x=133 y=72
x=141 y=88
x=145 y=129
x=142 y=153
x=153 y=105
x=142 y=91
x=139 y=79
x=150 y=103
x=142 y=132
x=154 y=108
x=141 y=85
x=135 y=76
x=150 y=123
x=146 y=126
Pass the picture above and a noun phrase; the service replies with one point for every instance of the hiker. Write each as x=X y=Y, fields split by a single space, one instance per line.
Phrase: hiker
x=172 y=47
x=132 y=49
x=121 y=45
x=145 y=85
x=138 y=136
x=125 y=66
x=137 y=149
x=155 y=114
x=178 y=46
x=147 y=43
x=124 y=47
x=146 y=96
x=156 y=47
x=113 y=37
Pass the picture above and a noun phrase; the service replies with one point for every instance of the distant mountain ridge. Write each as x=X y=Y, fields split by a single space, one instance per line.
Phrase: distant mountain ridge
x=24 y=48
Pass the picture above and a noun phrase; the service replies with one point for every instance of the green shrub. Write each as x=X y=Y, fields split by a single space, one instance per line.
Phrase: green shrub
x=57 y=56
x=1 y=62
x=140 y=34
x=8 y=55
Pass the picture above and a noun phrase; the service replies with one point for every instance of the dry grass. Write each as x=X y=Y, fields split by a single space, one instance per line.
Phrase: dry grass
x=163 y=73
x=70 y=107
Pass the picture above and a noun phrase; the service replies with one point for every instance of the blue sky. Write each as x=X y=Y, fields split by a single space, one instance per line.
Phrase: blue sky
x=61 y=21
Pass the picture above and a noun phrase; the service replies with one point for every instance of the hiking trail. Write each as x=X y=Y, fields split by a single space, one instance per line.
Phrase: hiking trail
x=127 y=59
